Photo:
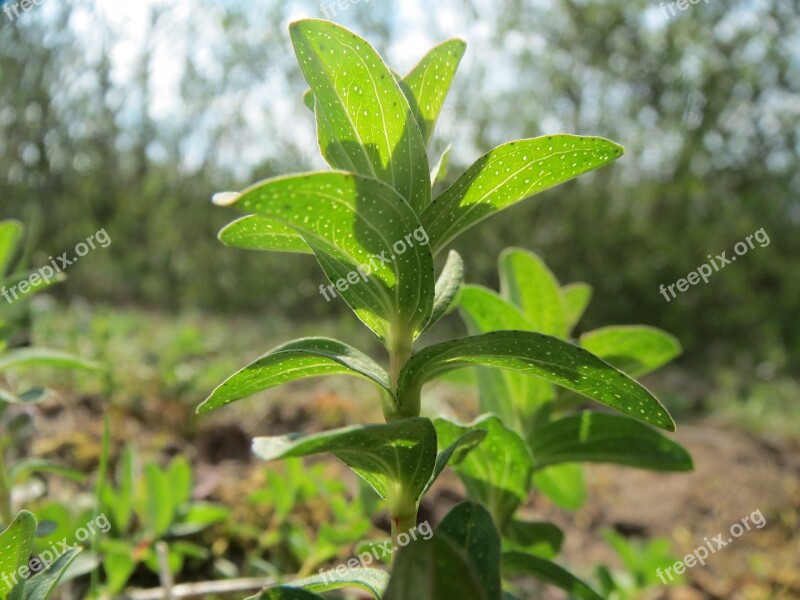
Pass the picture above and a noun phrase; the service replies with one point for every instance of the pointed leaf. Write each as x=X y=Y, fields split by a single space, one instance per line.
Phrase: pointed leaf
x=42 y=585
x=603 y=438
x=517 y=563
x=539 y=538
x=456 y=452
x=10 y=233
x=496 y=473
x=307 y=357
x=25 y=468
x=508 y=174
x=427 y=84
x=542 y=356
x=527 y=282
x=563 y=484
x=373 y=581
x=367 y=240
x=42 y=357
x=255 y=232
x=401 y=453
x=447 y=287
x=439 y=170
x=575 y=297
x=635 y=349
x=15 y=543
x=371 y=129
x=33 y=286
x=469 y=525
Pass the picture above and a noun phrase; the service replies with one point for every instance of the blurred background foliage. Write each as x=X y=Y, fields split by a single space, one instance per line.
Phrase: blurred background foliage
x=129 y=118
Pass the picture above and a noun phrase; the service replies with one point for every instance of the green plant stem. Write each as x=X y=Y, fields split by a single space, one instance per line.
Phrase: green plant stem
x=5 y=490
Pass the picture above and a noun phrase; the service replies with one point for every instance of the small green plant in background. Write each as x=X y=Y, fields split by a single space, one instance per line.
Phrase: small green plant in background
x=375 y=227
x=148 y=505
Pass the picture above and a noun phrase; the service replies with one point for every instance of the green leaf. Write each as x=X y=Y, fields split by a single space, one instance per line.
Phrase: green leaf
x=368 y=128
x=447 y=287
x=398 y=455
x=455 y=452
x=179 y=474
x=527 y=282
x=524 y=564
x=469 y=525
x=508 y=174
x=603 y=438
x=433 y=570
x=43 y=584
x=575 y=298
x=33 y=286
x=496 y=473
x=439 y=170
x=255 y=232
x=15 y=542
x=427 y=84
x=543 y=356
x=541 y=539
x=513 y=396
x=307 y=357
x=563 y=484
x=367 y=240
x=158 y=500
x=199 y=516
x=10 y=233
x=285 y=593
x=42 y=357
x=373 y=581
x=23 y=469
x=635 y=349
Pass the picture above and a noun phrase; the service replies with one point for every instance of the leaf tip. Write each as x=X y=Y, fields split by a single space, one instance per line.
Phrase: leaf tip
x=225 y=198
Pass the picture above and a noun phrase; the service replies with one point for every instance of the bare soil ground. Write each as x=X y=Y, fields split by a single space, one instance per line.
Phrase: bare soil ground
x=735 y=475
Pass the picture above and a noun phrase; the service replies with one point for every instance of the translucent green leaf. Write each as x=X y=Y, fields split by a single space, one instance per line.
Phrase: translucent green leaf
x=439 y=170
x=398 y=455
x=603 y=438
x=563 y=484
x=455 y=452
x=497 y=472
x=255 y=232
x=527 y=282
x=447 y=287
x=42 y=357
x=517 y=563
x=427 y=84
x=15 y=543
x=369 y=127
x=10 y=233
x=575 y=298
x=508 y=174
x=367 y=240
x=543 y=356
x=373 y=581
x=635 y=349
x=470 y=526
x=299 y=359
x=42 y=585
x=539 y=538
